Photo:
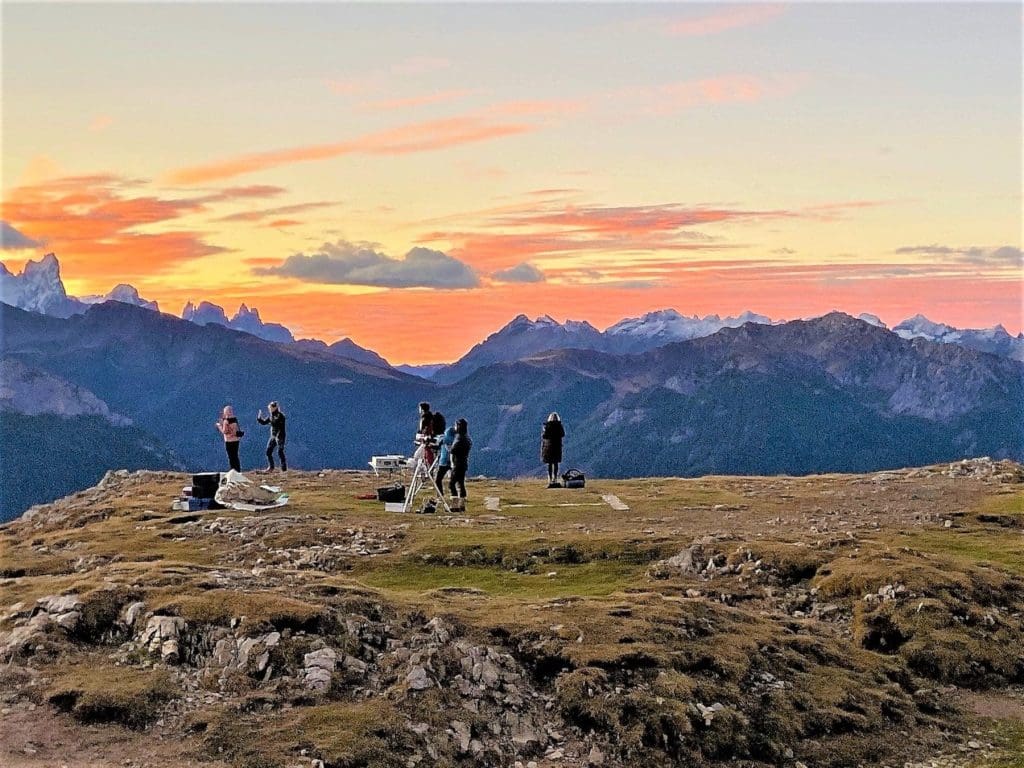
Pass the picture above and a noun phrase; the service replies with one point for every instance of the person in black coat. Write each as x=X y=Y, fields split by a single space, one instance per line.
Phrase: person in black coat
x=460 y=463
x=426 y=430
x=551 y=439
x=278 y=435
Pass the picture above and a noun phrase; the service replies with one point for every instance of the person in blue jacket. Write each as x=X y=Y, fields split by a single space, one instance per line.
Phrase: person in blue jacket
x=444 y=461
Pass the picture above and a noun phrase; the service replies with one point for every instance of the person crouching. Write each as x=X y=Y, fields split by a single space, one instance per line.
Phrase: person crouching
x=461 y=446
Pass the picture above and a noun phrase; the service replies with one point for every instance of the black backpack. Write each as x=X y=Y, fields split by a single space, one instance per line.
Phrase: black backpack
x=574 y=479
x=438 y=423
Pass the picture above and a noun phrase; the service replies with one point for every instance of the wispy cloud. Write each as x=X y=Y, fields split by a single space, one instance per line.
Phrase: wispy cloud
x=425 y=99
x=502 y=237
x=982 y=256
x=348 y=263
x=538 y=107
x=666 y=98
x=416 y=137
x=523 y=272
x=263 y=214
x=722 y=20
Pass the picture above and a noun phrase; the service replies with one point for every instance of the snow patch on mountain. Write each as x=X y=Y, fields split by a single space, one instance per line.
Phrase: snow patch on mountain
x=870 y=319
x=38 y=288
x=995 y=340
x=124 y=293
x=637 y=334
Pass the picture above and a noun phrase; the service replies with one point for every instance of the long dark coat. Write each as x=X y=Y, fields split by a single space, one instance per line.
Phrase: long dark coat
x=551 y=442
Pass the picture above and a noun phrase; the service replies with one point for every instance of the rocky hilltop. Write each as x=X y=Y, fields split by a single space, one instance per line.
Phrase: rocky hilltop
x=831 y=620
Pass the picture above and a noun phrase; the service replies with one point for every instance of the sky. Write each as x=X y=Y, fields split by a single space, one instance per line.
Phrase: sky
x=413 y=176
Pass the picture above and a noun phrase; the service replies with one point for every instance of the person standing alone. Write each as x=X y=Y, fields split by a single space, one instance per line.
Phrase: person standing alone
x=461 y=446
x=278 y=435
x=227 y=425
x=551 y=439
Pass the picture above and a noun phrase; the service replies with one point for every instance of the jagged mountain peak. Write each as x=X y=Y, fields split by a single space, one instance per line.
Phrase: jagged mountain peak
x=129 y=294
x=48 y=266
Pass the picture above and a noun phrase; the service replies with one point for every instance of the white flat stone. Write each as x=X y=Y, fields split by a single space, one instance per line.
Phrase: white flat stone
x=614 y=502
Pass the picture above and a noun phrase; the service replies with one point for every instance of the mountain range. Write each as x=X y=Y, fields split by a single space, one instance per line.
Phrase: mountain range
x=39 y=288
x=523 y=337
x=833 y=393
x=58 y=437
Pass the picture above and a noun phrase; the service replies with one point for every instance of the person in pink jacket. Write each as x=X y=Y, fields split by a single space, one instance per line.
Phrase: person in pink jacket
x=227 y=425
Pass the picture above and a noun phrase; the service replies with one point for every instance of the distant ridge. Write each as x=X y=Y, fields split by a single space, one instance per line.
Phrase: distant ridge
x=39 y=288
x=830 y=394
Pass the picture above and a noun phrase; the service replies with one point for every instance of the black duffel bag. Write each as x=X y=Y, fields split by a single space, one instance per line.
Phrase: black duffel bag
x=392 y=493
x=205 y=484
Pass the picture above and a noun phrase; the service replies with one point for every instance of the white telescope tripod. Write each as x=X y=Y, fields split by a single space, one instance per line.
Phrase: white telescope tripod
x=424 y=476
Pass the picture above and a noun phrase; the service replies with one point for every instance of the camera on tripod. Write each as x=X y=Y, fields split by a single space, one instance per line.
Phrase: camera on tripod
x=429 y=441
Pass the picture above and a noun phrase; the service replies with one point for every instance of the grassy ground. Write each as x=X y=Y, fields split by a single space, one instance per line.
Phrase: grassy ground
x=578 y=592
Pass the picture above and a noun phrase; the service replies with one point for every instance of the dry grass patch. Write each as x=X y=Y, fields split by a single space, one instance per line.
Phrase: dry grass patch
x=219 y=606
x=101 y=693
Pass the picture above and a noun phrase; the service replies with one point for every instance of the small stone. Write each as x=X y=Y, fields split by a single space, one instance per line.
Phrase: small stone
x=69 y=620
x=462 y=735
x=417 y=679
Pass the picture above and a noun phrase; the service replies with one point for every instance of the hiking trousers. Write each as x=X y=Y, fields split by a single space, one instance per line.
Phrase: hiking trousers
x=232 y=448
x=457 y=484
x=277 y=443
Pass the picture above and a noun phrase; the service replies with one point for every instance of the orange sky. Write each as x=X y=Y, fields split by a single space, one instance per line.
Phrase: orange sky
x=415 y=182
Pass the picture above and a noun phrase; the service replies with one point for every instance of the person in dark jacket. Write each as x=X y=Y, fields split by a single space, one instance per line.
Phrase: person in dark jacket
x=460 y=464
x=426 y=430
x=278 y=435
x=551 y=439
x=227 y=425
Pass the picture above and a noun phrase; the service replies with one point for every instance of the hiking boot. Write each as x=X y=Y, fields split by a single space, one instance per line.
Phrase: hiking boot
x=554 y=484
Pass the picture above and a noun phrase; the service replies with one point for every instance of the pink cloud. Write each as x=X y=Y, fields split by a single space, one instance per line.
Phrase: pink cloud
x=438 y=97
x=93 y=222
x=504 y=236
x=415 y=137
x=538 y=107
x=725 y=19
x=283 y=210
x=722 y=89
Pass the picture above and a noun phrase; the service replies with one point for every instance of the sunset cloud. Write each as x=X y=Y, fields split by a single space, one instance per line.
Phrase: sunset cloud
x=416 y=137
x=347 y=263
x=13 y=240
x=282 y=210
x=1004 y=256
x=501 y=237
x=524 y=272
x=437 y=97
x=97 y=223
x=737 y=88
x=723 y=20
